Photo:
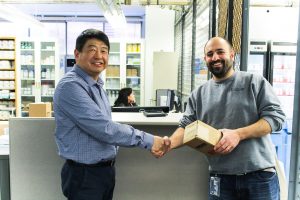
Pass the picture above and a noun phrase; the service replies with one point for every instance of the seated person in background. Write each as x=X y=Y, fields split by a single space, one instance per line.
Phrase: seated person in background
x=125 y=98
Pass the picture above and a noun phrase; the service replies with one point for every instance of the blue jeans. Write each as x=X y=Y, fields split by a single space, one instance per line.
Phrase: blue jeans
x=259 y=185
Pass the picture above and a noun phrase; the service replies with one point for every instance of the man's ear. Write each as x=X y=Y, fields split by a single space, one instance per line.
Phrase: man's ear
x=76 y=53
x=232 y=55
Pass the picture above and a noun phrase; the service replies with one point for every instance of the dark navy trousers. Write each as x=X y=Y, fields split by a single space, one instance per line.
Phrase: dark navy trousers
x=83 y=182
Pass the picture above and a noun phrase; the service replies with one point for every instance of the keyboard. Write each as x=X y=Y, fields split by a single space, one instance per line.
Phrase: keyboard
x=154 y=113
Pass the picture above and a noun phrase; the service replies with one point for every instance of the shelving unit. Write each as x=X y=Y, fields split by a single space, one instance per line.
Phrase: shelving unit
x=8 y=90
x=124 y=69
x=27 y=73
x=38 y=72
x=133 y=68
x=113 y=72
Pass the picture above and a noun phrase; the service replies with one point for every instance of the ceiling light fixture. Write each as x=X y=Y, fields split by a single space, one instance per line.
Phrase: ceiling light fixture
x=113 y=13
x=14 y=15
x=158 y=2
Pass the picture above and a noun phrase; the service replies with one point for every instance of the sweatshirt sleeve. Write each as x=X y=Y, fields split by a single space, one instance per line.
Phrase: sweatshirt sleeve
x=190 y=112
x=269 y=106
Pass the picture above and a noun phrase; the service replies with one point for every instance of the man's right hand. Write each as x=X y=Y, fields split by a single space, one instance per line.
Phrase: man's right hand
x=160 y=146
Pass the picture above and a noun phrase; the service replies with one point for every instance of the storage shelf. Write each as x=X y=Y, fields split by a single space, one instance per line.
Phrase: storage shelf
x=131 y=77
x=27 y=65
x=115 y=77
x=6 y=49
x=11 y=59
x=133 y=53
x=7 y=88
x=49 y=64
x=7 y=79
x=7 y=99
x=47 y=50
x=24 y=95
x=27 y=49
x=133 y=64
x=47 y=96
x=47 y=79
x=42 y=67
x=27 y=79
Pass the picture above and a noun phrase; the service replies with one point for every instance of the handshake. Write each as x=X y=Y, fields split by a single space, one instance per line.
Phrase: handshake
x=160 y=146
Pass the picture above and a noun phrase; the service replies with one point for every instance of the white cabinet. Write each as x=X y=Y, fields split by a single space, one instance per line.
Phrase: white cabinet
x=125 y=69
x=38 y=72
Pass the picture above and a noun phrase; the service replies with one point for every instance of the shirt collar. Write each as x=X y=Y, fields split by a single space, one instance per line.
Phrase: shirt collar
x=87 y=77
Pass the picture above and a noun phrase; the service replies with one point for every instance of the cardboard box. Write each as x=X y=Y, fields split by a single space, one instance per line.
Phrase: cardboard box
x=40 y=110
x=201 y=136
x=3 y=127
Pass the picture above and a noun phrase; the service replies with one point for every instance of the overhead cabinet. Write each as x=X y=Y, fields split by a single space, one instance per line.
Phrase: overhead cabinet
x=38 y=71
x=125 y=69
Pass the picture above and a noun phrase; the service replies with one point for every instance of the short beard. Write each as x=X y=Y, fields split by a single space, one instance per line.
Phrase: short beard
x=220 y=73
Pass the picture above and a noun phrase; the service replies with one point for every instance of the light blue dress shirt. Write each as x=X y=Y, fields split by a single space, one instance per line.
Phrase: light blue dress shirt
x=84 y=129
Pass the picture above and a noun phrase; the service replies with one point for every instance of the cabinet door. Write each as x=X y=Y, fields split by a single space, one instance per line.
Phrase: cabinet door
x=8 y=89
x=124 y=69
x=134 y=68
x=27 y=70
x=113 y=72
x=48 y=66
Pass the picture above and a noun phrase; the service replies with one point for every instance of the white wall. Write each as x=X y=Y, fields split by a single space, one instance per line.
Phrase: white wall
x=273 y=23
x=159 y=36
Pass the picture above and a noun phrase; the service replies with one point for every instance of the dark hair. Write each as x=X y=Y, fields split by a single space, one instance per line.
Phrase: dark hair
x=91 y=34
x=227 y=41
x=122 y=99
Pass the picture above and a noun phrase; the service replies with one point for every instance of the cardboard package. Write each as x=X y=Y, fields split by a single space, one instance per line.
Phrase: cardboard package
x=3 y=127
x=201 y=136
x=40 y=110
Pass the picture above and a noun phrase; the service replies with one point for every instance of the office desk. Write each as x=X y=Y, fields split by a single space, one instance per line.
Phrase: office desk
x=35 y=166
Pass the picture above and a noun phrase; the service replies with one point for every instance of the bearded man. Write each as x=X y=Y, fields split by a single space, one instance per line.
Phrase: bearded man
x=246 y=110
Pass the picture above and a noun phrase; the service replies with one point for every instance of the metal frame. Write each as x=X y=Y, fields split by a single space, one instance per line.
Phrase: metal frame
x=294 y=179
x=245 y=36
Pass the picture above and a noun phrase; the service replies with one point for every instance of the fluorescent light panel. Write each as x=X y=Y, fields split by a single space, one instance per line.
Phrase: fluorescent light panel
x=158 y=2
x=112 y=13
x=14 y=15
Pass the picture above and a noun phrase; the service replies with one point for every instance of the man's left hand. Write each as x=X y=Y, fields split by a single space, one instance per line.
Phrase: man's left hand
x=228 y=142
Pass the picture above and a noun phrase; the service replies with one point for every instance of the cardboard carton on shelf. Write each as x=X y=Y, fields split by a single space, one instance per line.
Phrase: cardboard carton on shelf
x=201 y=136
x=40 y=109
x=3 y=127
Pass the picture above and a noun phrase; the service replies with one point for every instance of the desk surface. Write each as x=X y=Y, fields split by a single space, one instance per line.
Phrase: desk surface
x=4 y=151
x=121 y=117
x=140 y=119
x=133 y=118
x=4 y=147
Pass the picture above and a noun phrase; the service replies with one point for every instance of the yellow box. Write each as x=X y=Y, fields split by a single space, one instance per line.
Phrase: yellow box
x=40 y=110
x=201 y=136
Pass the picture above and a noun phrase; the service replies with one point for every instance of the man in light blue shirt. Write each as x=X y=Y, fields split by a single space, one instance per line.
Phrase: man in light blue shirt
x=85 y=134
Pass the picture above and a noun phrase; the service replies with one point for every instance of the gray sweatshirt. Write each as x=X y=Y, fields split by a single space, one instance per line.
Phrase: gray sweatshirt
x=233 y=103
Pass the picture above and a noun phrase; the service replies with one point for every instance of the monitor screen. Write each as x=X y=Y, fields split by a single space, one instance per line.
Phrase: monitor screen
x=165 y=97
x=70 y=62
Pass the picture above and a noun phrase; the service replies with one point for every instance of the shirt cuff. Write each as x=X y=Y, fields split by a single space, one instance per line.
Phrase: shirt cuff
x=147 y=141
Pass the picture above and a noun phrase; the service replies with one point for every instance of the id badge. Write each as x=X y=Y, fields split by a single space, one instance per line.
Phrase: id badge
x=214 y=186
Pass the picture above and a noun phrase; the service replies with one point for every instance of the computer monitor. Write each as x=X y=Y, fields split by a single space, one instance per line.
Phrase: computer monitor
x=165 y=97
